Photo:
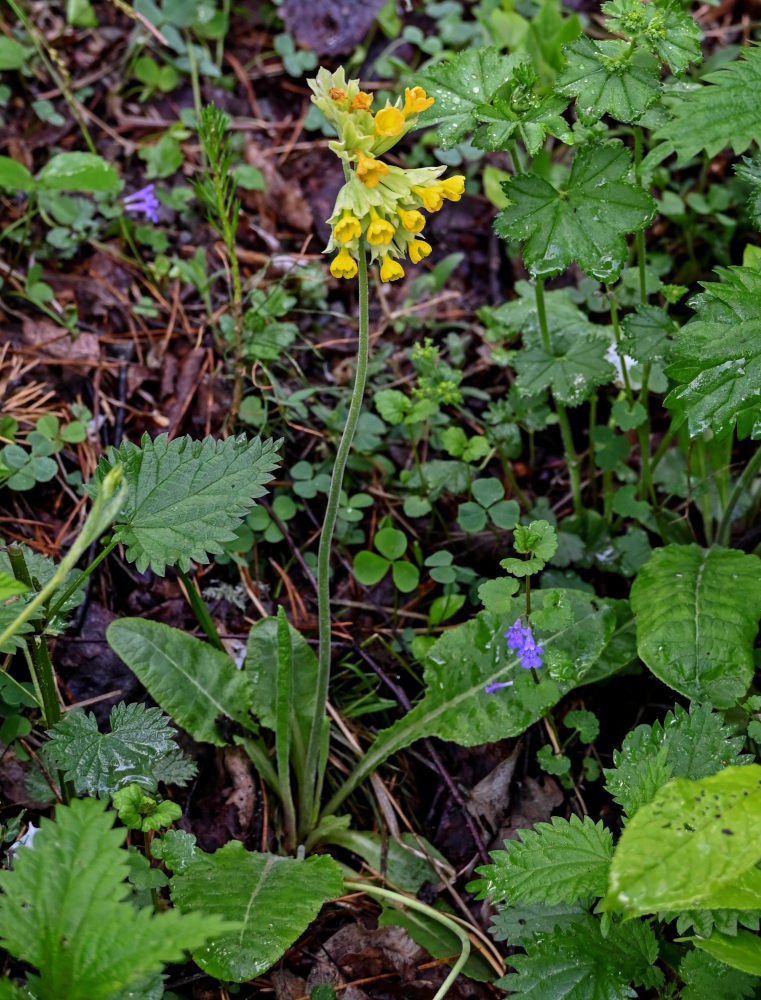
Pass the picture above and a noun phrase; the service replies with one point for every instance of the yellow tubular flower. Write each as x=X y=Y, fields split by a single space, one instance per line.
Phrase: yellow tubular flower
x=380 y=230
x=417 y=250
x=389 y=121
x=343 y=265
x=452 y=187
x=430 y=196
x=415 y=100
x=412 y=221
x=369 y=170
x=390 y=270
x=361 y=101
x=347 y=228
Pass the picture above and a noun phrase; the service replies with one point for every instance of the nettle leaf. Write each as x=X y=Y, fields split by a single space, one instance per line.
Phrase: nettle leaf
x=717 y=357
x=273 y=899
x=697 y=613
x=741 y=951
x=65 y=909
x=723 y=112
x=686 y=744
x=518 y=924
x=711 y=826
x=192 y=681
x=42 y=570
x=563 y=861
x=585 y=221
x=186 y=498
x=706 y=978
x=460 y=86
x=100 y=763
x=581 y=964
x=609 y=77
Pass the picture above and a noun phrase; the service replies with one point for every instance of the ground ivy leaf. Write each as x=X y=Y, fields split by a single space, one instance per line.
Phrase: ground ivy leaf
x=723 y=112
x=609 y=78
x=460 y=86
x=563 y=861
x=186 y=498
x=587 y=221
x=717 y=357
x=697 y=614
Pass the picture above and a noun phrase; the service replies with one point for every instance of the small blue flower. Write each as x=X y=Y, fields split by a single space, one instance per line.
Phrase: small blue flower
x=144 y=201
x=521 y=640
x=495 y=685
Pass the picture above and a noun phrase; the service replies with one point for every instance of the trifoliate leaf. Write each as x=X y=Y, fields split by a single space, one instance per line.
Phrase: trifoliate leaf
x=717 y=358
x=672 y=33
x=647 y=334
x=609 y=77
x=558 y=862
x=586 y=221
x=138 y=750
x=186 y=498
x=723 y=112
x=273 y=898
x=581 y=964
x=460 y=86
x=697 y=613
x=706 y=978
x=65 y=909
x=139 y=811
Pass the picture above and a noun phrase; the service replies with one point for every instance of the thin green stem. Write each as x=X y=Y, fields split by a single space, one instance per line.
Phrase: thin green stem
x=617 y=334
x=571 y=458
x=201 y=612
x=742 y=484
x=52 y=612
x=309 y=807
x=414 y=904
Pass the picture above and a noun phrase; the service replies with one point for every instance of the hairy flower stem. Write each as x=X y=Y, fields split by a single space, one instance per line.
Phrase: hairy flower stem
x=309 y=805
x=571 y=458
x=742 y=484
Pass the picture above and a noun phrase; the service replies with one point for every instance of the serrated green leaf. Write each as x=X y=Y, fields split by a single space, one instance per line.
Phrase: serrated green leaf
x=558 y=862
x=742 y=951
x=100 y=763
x=717 y=357
x=697 y=613
x=139 y=811
x=574 y=369
x=706 y=978
x=42 y=569
x=459 y=87
x=585 y=221
x=78 y=172
x=723 y=112
x=65 y=910
x=647 y=334
x=272 y=898
x=186 y=498
x=192 y=681
x=711 y=825
x=518 y=924
x=608 y=77
x=671 y=32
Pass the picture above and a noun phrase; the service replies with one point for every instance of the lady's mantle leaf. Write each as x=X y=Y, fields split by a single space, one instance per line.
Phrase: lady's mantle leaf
x=587 y=221
x=133 y=752
x=272 y=898
x=65 y=910
x=697 y=614
x=558 y=862
x=722 y=113
x=192 y=681
x=186 y=498
x=609 y=77
x=576 y=366
x=711 y=827
x=717 y=357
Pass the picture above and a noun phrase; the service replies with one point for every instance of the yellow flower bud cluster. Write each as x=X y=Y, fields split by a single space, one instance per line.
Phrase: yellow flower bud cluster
x=379 y=201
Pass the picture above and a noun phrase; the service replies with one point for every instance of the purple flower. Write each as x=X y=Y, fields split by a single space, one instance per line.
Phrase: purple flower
x=491 y=688
x=521 y=640
x=144 y=201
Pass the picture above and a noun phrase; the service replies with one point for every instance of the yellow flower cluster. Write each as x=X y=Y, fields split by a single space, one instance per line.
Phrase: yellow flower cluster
x=379 y=201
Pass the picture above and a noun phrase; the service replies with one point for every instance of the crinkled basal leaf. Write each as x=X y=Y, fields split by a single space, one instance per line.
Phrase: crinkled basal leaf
x=697 y=614
x=724 y=112
x=186 y=498
x=647 y=334
x=581 y=964
x=466 y=658
x=65 y=909
x=670 y=32
x=717 y=357
x=711 y=826
x=577 y=366
x=609 y=78
x=272 y=898
x=100 y=763
x=690 y=744
x=706 y=978
x=586 y=221
x=460 y=86
x=558 y=862
x=192 y=681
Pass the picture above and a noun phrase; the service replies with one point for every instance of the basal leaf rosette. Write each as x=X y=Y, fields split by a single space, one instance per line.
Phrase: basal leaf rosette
x=380 y=204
